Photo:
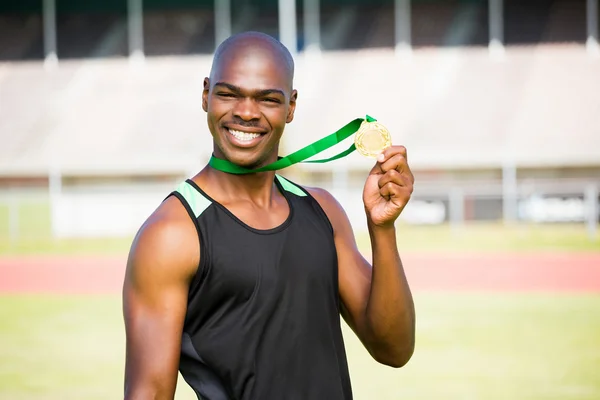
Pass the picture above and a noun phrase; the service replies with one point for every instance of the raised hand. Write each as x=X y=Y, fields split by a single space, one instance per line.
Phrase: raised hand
x=388 y=187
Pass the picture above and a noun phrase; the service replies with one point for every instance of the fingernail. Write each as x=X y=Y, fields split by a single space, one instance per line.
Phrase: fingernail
x=380 y=157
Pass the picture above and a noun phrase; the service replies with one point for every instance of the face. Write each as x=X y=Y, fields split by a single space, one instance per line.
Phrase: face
x=248 y=100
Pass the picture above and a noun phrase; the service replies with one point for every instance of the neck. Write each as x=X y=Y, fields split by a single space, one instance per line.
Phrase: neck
x=225 y=187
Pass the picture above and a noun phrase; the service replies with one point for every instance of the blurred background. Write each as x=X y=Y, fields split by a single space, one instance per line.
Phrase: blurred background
x=497 y=101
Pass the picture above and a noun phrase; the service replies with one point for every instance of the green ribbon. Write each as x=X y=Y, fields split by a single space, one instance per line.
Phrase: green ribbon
x=300 y=155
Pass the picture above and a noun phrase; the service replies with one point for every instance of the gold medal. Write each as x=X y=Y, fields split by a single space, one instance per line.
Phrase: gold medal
x=372 y=138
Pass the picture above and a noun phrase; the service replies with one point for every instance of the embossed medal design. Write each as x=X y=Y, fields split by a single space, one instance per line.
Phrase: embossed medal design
x=372 y=138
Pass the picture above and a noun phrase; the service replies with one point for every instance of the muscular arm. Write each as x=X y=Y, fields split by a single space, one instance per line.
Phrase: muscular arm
x=161 y=262
x=376 y=300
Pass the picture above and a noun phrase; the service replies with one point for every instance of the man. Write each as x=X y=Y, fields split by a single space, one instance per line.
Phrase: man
x=238 y=281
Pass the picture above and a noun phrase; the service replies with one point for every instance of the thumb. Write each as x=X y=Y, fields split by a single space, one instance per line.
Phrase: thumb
x=377 y=170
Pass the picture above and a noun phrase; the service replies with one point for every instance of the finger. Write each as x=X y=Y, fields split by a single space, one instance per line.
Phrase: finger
x=385 y=156
x=408 y=175
x=392 y=176
x=403 y=181
x=390 y=190
x=400 y=164
x=397 y=162
x=392 y=151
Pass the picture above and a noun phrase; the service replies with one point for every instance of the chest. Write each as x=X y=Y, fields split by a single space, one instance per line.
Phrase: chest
x=297 y=256
x=260 y=218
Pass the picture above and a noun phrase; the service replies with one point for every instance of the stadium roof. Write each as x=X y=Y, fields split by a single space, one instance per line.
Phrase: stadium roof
x=452 y=108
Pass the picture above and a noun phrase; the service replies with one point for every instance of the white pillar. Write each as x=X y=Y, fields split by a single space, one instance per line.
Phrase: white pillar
x=222 y=21
x=591 y=202
x=13 y=217
x=509 y=192
x=341 y=189
x=456 y=208
x=592 y=28
x=340 y=178
x=496 y=31
x=287 y=24
x=50 y=56
x=312 y=26
x=402 y=27
x=135 y=30
x=55 y=192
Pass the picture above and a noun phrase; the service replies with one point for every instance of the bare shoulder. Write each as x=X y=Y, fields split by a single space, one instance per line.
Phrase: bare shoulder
x=333 y=209
x=166 y=246
x=323 y=197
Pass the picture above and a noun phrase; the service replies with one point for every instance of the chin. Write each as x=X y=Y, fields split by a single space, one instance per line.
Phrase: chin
x=242 y=160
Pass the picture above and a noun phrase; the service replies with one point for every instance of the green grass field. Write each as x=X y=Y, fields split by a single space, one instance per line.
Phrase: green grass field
x=469 y=346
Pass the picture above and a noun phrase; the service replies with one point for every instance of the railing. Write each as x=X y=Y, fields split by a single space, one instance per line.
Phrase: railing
x=118 y=210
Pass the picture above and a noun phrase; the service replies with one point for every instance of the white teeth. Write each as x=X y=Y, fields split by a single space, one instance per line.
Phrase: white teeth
x=244 y=136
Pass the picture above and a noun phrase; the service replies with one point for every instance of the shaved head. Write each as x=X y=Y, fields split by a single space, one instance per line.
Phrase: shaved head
x=247 y=44
x=249 y=90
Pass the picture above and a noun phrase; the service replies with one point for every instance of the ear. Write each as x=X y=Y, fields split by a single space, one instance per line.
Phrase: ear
x=292 y=108
x=205 y=94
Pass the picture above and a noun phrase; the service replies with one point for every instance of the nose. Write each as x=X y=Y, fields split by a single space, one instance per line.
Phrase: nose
x=246 y=109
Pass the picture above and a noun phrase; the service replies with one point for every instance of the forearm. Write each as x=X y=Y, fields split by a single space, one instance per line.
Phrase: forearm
x=390 y=313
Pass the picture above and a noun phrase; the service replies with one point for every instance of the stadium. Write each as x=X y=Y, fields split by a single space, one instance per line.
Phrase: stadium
x=497 y=102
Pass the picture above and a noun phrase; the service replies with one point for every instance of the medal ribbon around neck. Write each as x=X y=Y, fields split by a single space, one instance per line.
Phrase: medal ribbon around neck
x=363 y=126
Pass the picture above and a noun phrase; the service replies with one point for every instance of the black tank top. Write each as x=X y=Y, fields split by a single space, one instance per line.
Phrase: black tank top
x=262 y=319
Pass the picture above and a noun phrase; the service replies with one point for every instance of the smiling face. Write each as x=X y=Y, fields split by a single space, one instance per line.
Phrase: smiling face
x=249 y=99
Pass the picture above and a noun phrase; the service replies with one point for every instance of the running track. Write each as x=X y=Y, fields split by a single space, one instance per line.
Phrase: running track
x=558 y=272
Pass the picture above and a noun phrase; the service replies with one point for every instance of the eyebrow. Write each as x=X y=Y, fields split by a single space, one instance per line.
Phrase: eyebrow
x=258 y=93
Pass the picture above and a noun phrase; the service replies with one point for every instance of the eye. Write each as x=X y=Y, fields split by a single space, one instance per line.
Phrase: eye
x=271 y=100
x=225 y=94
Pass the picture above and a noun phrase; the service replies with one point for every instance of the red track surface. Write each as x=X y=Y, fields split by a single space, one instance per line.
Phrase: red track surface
x=432 y=272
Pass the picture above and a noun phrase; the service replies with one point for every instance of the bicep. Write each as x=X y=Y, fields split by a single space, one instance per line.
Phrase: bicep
x=154 y=305
x=153 y=327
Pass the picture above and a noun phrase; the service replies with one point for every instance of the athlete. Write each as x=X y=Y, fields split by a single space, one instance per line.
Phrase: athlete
x=239 y=281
